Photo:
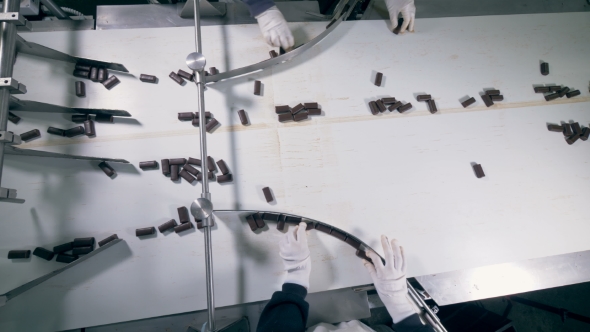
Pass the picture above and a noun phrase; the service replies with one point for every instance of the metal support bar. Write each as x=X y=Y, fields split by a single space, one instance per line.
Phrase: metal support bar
x=8 y=137
x=8 y=149
x=15 y=18
x=13 y=86
x=55 y=10
x=35 y=106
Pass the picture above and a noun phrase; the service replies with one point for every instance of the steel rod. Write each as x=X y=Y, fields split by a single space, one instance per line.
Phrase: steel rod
x=7 y=54
x=55 y=10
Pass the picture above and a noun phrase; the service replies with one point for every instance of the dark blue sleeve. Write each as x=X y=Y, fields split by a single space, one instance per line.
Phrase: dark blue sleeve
x=412 y=324
x=286 y=311
x=257 y=7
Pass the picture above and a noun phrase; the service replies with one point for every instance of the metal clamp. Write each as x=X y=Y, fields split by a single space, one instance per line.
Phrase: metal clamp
x=7 y=193
x=9 y=138
x=15 y=18
x=13 y=86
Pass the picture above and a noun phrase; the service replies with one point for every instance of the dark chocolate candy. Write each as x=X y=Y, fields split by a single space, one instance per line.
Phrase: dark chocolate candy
x=167 y=225
x=176 y=78
x=395 y=106
x=314 y=111
x=273 y=54
x=13 y=118
x=323 y=228
x=191 y=169
x=102 y=75
x=211 y=125
x=303 y=115
x=174 y=172
x=145 y=231
x=194 y=161
x=362 y=254
x=293 y=220
x=267 y=194
x=576 y=129
x=563 y=91
x=552 y=96
x=378 y=79
x=373 y=107
x=567 y=129
x=388 y=100
x=404 y=108
x=186 y=176
x=148 y=164
x=297 y=108
x=257 y=88
x=222 y=167
x=310 y=226
x=165 y=166
x=556 y=128
x=107 y=240
x=497 y=97
x=56 y=131
x=83 y=242
x=432 y=106
x=183 y=227
x=89 y=129
x=210 y=176
x=380 y=106
x=281 y=225
x=258 y=219
x=285 y=117
x=492 y=92
x=225 y=178
x=423 y=97
x=554 y=88
x=63 y=258
x=82 y=251
x=107 y=169
x=544 y=69
x=211 y=164
x=243 y=117
x=110 y=82
x=183 y=215
x=19 y=254
x=148 y=78
x=81 y=73
x=93 y=76
x=585 y=134
x=80 y=118
x=213 y=71
x=43 y=253
x=75 y=131
x=310 y=105
x=353 y=243
x=282 y=109
x=338 y=234
x=80 y=89
x=542 y=89
x=468 y=102
x=185 y=75
x=104 y=118
x=478 y=171
x=82 y=67
x=63 y=247
x=177 y=161
x=573 y=93
x=269 y=216
x=572 y=139
x=186 y=116
x=252 y=222
x=487 y=100
x=29 y=135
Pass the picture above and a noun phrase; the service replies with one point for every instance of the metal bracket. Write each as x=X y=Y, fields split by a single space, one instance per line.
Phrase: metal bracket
x=16 y=104
x=15 y=18
x=9 y=138
x=13 y=86
x=7 y=193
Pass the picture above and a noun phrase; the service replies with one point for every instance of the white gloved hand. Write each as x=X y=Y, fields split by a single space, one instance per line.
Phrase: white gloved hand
x=295 y=254
x=390 y=279
x=408 y=10
x=274 y=28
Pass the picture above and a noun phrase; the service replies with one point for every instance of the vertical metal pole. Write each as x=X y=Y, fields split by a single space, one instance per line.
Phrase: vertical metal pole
x=7 y=53
x=200 y=82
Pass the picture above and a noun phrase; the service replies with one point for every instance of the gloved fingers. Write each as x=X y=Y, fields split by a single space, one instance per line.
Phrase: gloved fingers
x=406 y=22
x=403 y=269
x=291 y=235
x=377 y=263
x=393 y=15
x=274 y=38
x=412 y=20
x=387 y=250
x=370 y=268
x=286 y=39
x=397 y=255
x=301 y=236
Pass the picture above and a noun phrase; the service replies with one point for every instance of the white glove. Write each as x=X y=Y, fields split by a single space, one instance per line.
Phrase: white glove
x=408 y=10
x=274 y=28
x=295 y=254
x=390 y=280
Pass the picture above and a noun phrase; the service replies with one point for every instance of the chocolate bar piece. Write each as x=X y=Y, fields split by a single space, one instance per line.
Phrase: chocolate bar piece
x=194 y=161
x=544 y=69
x=145 y=231
x=404 y=108
x=576 y=128
x=273 y=54
x=380 y=106
x=431 y=106
x=252 y=222
x=323 y=228
x=285 y=117
x=43 y=253
x=104 y=118
x=395 y=106
x=552 y=96
x=107 y=240
x=373 y=107
x=177 y=161
x=165 y=166
x=556 y=128
x=186 y=116
x=362 y=254
x=554 y=88
x=298 y=108
x=83 y=242
x=282 y=109
x=107 y=169
x=167 y=225
x=211 y=164
x=259 y=221
x=63 y=258
x=80 y=118
x=222 y=167
x=573 y=93
x=267 y=194
x=585 y=134
x=353 y=243
x=563 y=91
x=225 y=178
x=487 y=100
x=542 y=89
x=82 y=67
x=93 y=76
x=81 y=73
x=303 y=115
x=29 y=135
x=378 y=79
x=468 y=102
x=423 y=97
x=572 y=139
x=110 y=82
x=183 y=227
x=176 y=78
x=102 y=75
x=213 y=71
x=478 y=171
x=56 y=131
x=183 y=215
x=338 y=234
x=63 y=247
x=567 y=129
x=174 y=169
x=497 y=97
x=400 y=22
x=293 y=220
x=388 y=100
x=89 y=128
x=185 y=75
x=75 y=131
x=310 y=105
x=310 y=226
x=281 y=225
x=19 y=254
x=148 y=164
x=187 y=176
x=243 y=117
x=269 y=216
x=257 y=88
x=80 y=89
x=492 y=92
x=210 y=176
x=148 y=78
x=208 y=115
x=13 y=118
x=191 y=169
x=314 y=111
x=82 y=251
x=211 y=125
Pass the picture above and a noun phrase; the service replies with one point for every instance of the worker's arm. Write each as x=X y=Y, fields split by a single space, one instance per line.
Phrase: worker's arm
x=408 y=10
x=272 y=23
x=287 y=310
